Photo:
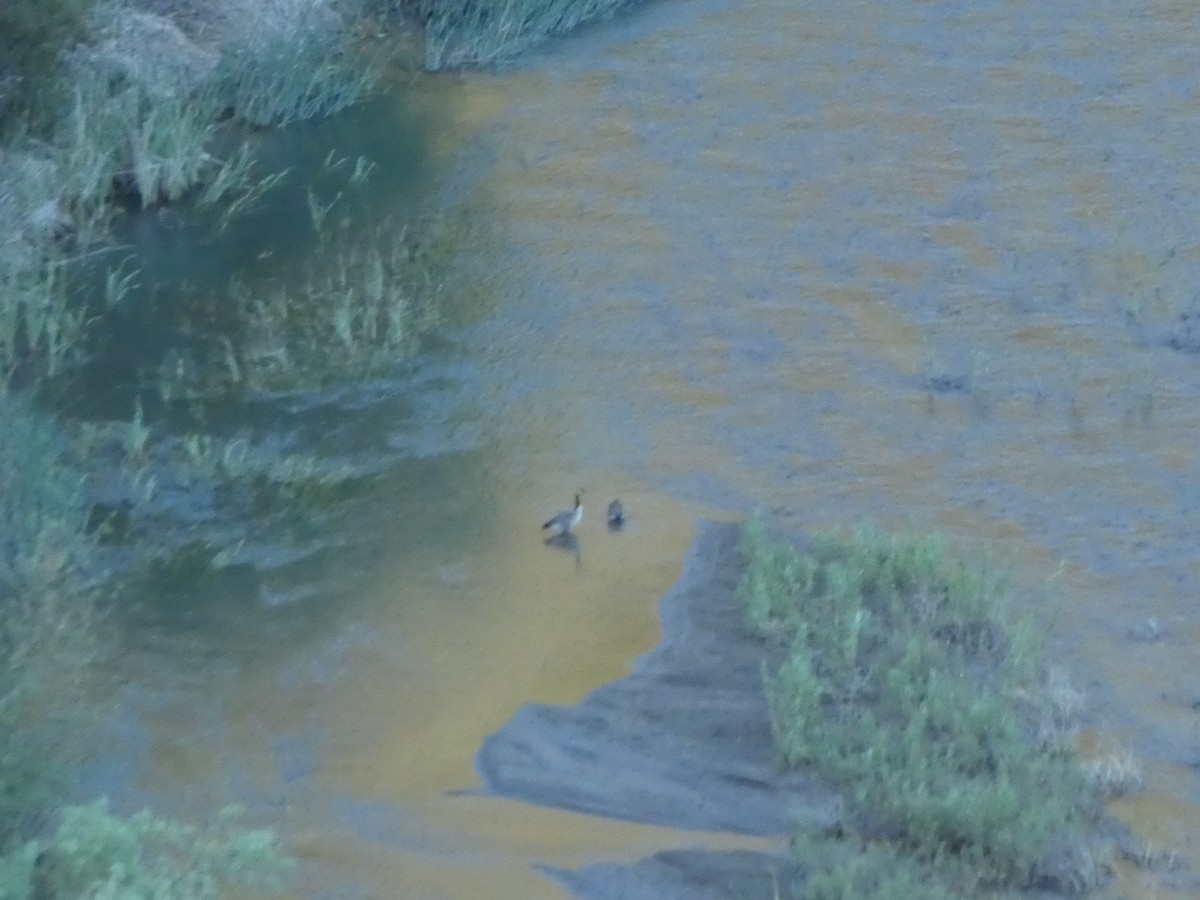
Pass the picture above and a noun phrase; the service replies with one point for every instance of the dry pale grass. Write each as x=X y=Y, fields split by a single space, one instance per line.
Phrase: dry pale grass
x=148 y=50
x=216 y=24
x=1115 y=771
x=30 y=204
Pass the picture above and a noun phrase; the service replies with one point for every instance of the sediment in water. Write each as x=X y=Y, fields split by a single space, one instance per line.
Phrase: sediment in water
x=684 y=741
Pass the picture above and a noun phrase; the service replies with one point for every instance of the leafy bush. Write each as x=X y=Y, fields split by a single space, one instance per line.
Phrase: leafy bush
x=902 y=681
x=33 y=36
x=97 y=855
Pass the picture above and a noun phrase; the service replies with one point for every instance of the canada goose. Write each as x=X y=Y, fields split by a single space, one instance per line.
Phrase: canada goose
x=564 y=521
x=616 y=515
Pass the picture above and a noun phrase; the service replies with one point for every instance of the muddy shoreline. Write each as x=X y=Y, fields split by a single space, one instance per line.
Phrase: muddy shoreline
x=685 y=742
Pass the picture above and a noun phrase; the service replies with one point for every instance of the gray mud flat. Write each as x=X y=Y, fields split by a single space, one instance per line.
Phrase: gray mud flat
x=685 y=741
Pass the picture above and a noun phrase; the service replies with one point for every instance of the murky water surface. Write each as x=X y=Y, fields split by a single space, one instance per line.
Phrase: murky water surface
x=920 y=263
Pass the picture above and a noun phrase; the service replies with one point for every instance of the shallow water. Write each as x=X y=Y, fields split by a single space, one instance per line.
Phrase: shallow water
x=923 y=264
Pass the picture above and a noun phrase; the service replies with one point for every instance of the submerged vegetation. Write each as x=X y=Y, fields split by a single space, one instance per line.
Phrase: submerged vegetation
x=139 y=115
x=902 y=681
x=50 y=640
x=105 y=107
x=361 y=307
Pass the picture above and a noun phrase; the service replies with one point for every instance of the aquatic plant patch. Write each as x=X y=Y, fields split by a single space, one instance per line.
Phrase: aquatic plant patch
x=903 y=681
x=357 y=311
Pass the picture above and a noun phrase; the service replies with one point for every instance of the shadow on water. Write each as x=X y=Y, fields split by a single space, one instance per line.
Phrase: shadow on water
x=568 y=543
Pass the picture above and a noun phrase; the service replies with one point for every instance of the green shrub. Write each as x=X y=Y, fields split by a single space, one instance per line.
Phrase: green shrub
x=97 y=855
x=33 y=36
x=903 y=682
x=835 y=870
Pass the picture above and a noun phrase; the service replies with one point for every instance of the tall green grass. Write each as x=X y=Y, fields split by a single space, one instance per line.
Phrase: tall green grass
x=904 y=682
x=309 y=77
x=124 y=140
x=480 y=32
x=358 y=311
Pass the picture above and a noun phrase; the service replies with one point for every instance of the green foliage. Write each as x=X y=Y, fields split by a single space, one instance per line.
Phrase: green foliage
x=97 y=855
x=903 y=682
x=478 y=32
x=357 y=311
x=265 y=476
x=33 y=36
x=152 y=147
x=39 y=330
x=836 y=871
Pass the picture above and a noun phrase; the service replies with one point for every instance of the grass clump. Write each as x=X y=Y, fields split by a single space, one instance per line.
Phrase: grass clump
x=903 y=682
x=264 y=475
x=356 y=313
x=1114 y=772
x=41 y=330
x=288 y=69
x=479 y=32
x=832 y=870
x=122 y=140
